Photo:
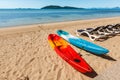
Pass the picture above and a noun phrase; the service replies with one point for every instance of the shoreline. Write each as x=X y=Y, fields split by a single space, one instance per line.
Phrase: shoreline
x=18 y=29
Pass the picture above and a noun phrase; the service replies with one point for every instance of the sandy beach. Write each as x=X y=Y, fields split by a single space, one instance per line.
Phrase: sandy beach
x=25 y=53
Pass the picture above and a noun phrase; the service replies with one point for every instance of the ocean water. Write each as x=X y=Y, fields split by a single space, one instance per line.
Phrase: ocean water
x=16 y=17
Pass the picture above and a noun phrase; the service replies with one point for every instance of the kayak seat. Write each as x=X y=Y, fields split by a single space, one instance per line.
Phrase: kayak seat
x=77 y=60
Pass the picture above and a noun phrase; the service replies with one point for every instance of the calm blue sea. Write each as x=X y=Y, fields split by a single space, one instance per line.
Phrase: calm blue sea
x=16 y=17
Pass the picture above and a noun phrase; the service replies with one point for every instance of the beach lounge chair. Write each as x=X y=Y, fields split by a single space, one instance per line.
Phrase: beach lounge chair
x=113 y=28
x=116 y=28
x=101 y=32
x=104 y=30
x=93 y=35
x=109 y=28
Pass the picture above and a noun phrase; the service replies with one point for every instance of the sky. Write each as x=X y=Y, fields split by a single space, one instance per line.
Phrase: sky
x=74 y=3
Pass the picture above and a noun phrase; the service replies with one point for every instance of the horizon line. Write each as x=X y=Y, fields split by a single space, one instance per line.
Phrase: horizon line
x=61 y=6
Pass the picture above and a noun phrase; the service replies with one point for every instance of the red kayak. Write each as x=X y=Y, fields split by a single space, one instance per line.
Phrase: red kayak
x=67 y=53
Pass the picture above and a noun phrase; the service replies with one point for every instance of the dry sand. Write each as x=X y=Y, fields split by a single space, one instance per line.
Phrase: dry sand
x=26 y=55
x=112 y=73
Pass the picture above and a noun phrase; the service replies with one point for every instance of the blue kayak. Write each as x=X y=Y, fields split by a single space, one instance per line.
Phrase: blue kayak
x=83 y=44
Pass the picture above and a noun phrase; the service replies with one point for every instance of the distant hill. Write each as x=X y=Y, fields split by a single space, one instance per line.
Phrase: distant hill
x=59 y=7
